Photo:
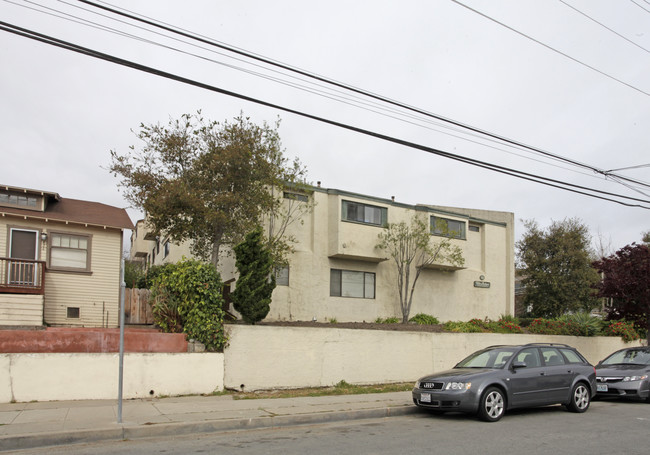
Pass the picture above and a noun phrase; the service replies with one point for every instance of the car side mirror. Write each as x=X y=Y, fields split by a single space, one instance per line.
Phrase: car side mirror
x=517 y=364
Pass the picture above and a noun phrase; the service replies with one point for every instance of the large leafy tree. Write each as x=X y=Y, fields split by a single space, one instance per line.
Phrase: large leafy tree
x=626 y=280
x=205 y=181
x=254 y=261
x=412 y=249
x=556 y=268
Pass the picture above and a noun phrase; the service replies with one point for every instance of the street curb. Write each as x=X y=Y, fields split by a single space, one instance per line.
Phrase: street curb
x=123 y=432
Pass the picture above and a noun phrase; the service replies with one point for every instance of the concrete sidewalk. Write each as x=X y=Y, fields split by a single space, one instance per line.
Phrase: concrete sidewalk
x=38 y=424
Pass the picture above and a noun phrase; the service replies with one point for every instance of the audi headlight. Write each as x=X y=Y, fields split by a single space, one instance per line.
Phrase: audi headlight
x=417 y=384
x=458 y=386
x=635 y=378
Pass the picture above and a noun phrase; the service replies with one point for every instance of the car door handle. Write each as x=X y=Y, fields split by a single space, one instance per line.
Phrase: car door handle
x=542 y=374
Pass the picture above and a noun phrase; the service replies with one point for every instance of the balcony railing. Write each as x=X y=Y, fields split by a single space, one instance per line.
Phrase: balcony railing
x=21 y=276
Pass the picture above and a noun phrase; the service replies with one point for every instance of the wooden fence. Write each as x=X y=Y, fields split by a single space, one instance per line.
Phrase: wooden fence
x=137 y=306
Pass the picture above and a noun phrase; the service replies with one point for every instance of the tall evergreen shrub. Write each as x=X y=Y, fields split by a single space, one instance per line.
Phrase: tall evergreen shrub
x=252 y=295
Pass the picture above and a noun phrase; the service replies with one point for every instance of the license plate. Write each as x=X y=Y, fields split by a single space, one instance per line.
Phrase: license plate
x=601 y=388
x=425 y=397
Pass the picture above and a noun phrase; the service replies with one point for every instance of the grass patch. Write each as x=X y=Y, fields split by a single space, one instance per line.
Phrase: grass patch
x=342 y=388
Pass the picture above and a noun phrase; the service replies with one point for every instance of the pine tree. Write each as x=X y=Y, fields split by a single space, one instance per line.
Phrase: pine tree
x=252 y=295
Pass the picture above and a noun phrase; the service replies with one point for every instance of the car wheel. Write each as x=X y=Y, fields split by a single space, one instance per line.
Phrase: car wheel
x=492 y=405
x=580 y=398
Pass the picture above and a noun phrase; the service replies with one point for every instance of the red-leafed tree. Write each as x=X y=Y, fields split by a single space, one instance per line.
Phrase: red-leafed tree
x=626 y=280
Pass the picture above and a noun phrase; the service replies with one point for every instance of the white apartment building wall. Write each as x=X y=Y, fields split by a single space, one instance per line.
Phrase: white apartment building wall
x=332 y=248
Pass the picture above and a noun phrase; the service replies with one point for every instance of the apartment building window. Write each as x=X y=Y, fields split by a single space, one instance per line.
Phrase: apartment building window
x=166 y=249
x=447 y=227
x=282 y=276
x=296 y=196
x=70 y=252
x=364 y=213
x=474 y=228
x=348 y=283
x=18 y=199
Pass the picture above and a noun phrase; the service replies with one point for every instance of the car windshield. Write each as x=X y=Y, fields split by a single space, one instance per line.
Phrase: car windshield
x=629 y=357
x=488 y=358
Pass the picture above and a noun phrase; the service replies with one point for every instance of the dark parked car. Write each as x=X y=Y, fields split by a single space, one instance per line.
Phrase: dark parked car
x=625 y=374
x=498 y=378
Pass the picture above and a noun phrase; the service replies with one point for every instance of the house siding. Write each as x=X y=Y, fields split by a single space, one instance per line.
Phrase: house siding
x=19 y=309
x=95 y=294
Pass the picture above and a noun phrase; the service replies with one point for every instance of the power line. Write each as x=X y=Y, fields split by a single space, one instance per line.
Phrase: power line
x=342 y=98
x=482 y=164
x=185 y=33
x=605 y=26
x=630 y=167
x=336 y=96
x=512 y=29
x=640 y=6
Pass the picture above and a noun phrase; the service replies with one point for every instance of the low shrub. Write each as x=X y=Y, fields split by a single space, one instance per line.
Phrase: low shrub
x=508 y=325
x=147 y=280
x=424 y=319
x=480 y=324
x=165 y=312
x=188 y=295
x=387 y=321
x=622 y=329
x=525 y=322
x=582 y=324
x=509 y=318
x=461 y=327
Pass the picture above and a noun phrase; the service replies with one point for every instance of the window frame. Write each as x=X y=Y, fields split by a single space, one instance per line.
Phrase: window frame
x=294 y=196
x=462 y=235
x=340 y=272
x=88 y=250
x=38 y=200
x=278 y=273
x=383 y=213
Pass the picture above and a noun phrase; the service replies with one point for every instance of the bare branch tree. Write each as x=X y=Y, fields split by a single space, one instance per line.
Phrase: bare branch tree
x=412 y=249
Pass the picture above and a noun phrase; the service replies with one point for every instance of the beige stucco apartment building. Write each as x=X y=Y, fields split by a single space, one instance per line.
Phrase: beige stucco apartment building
x=60 y=259
x=336 y=271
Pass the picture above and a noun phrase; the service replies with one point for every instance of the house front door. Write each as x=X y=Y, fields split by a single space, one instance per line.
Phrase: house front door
x=23 y=244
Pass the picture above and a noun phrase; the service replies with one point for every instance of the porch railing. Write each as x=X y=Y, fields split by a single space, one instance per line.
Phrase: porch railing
x=21 y=276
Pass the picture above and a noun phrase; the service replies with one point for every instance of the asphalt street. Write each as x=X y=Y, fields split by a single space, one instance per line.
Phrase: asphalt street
x=607 y=427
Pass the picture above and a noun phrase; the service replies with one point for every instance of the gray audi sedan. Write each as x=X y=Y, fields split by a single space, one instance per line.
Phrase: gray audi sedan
x=498 y=378
x=625 y=374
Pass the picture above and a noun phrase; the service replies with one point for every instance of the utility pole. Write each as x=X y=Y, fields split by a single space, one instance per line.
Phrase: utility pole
x=121 y=361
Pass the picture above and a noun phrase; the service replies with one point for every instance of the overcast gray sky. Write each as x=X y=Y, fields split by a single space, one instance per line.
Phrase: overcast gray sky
x=569 y=77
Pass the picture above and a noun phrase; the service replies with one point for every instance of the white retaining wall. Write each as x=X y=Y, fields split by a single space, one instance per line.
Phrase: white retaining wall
x=262 y=357
x=81 y=376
